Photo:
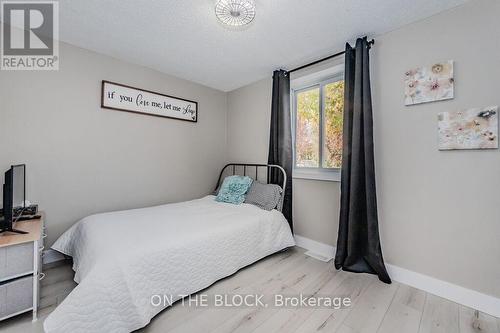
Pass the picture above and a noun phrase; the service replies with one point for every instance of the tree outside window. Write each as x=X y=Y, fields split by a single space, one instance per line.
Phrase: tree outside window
x=319 y=121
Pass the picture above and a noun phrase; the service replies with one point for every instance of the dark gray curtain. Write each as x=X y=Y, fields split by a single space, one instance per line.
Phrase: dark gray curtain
x=358 y=243
x=280 y=142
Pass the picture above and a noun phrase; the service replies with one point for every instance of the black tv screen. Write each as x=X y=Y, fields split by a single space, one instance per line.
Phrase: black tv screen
x=14 y=195
x=18 y=188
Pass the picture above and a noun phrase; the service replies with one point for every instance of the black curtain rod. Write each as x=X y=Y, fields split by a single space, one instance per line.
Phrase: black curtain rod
x=370 y=43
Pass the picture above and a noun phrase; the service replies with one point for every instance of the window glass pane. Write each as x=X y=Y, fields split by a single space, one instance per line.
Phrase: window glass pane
x=332 y=130
x=307 y=135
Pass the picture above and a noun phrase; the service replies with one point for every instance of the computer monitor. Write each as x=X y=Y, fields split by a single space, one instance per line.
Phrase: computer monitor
x=14 y=197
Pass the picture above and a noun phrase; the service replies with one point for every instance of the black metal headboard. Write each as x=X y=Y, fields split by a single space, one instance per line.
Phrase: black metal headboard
x=258 y=172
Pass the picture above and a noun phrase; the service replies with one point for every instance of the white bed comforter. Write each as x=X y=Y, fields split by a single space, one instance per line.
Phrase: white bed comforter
x=122 y=259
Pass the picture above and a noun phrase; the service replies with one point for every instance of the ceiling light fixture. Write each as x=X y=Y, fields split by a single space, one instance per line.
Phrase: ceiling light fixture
x=235 y=13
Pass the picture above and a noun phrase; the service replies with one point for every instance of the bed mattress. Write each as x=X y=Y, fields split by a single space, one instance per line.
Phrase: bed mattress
x=122 y=259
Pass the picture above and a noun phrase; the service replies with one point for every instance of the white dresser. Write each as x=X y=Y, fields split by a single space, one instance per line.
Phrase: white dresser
x=21 y=269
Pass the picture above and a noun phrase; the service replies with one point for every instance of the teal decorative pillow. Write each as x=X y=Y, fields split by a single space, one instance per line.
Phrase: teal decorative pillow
x=233 y=189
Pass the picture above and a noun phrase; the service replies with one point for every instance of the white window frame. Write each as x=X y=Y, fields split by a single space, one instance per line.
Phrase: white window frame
x=319 y=80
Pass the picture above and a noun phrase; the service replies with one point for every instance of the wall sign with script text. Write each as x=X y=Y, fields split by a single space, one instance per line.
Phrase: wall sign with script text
x=120 y=97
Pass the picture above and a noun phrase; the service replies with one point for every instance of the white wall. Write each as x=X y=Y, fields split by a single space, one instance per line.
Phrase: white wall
x=439 y=212
x=82 y=159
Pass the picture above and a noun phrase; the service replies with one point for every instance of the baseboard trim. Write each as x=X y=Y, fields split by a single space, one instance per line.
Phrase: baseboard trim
x=322 y=249
x=50 y=256
x=455 y=293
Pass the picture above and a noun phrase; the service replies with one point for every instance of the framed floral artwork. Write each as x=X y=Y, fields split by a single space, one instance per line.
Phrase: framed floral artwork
x=470 y=129
x=429 y=84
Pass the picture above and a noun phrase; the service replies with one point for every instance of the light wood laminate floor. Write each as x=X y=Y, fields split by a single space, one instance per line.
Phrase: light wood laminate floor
x=376 y=307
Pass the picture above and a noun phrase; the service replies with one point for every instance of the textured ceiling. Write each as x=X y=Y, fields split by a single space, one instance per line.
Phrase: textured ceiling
x=183 y=37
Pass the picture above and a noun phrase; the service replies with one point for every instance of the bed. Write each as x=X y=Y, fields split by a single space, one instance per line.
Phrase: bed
x=122 y=259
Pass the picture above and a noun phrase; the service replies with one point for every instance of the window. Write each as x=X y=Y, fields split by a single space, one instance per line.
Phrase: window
x=318 y=118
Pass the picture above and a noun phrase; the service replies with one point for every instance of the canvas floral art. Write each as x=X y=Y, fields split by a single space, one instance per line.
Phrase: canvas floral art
x=429 y=84
x=471 y=129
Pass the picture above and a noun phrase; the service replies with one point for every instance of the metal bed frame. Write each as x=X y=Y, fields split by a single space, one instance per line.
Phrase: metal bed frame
x=252 y=171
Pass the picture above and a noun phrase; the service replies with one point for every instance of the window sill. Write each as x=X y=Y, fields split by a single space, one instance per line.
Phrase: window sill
x=330 y=176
